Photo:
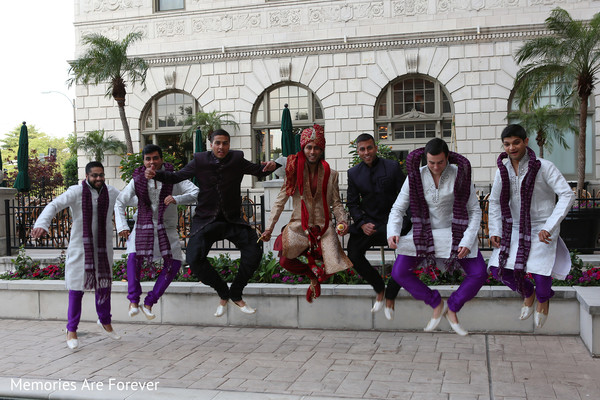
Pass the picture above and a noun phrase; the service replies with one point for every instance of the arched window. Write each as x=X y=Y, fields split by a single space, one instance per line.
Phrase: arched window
x=305 y=109
x=564 y=159
x=163 y=120
x=413 y=109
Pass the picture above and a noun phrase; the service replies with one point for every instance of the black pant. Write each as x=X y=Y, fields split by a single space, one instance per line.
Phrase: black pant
x=358 y=244
x=243 y=237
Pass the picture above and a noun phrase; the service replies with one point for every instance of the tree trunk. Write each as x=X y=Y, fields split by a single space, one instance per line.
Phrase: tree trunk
x=541 y=142
x=128 y=142
x=583 y=110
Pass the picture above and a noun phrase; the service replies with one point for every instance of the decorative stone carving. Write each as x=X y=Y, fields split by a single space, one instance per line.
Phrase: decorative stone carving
x=409 y=7
x=170 y=28
x=285 y=71
x=226 y=23
x=544 y=2
x=412 y=60
x=346 y=12
x=284 y=18
x=170 y=78
x=476 y=5
x=110 y=5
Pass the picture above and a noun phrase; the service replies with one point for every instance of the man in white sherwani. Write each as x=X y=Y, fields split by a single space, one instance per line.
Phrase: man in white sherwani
x=524 y=223
x=155 y=233
x=445 y=220
x=90 y=252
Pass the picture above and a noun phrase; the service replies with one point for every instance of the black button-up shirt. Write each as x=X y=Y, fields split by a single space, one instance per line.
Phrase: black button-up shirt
x=219 y=182
x=372 y=192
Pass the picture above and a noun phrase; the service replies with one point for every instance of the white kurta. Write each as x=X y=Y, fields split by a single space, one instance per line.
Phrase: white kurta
x=184 y=192
x=74 y=264
x=546 y=214
x=440 y=201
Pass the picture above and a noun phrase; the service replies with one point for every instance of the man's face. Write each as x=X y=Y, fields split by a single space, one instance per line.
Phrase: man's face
x=313 y=153
x=96 y=177
x=515 y=147
x=220 y=146
x=437 y=164
x=153 y=161
x=367 y=150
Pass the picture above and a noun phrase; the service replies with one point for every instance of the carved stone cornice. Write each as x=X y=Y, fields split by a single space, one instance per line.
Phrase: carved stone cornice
x=408 y=41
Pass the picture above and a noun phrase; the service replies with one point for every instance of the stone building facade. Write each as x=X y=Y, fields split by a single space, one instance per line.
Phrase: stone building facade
x=405 y=70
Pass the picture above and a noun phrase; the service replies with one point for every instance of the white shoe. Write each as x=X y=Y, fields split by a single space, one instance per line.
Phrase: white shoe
x=220 y=310
x=526 y=312
x=456 y=327
x=72 y=343
x=113 y=335
x=434 y=322
x=389 y=313
x=377 y=306
x=133 y=311
x=246 y=309
x=148 y=313
x=539 y=319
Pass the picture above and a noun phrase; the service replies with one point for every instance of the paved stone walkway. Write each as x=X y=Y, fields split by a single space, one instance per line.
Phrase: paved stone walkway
x=220 y=363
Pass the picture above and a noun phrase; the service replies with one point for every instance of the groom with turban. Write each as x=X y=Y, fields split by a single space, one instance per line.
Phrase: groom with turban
x=313 y=186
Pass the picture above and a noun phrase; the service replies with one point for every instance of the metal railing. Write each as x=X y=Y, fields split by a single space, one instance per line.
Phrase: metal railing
x=22 y=212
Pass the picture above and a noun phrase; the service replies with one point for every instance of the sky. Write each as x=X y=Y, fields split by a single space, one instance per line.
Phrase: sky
x=37 y=40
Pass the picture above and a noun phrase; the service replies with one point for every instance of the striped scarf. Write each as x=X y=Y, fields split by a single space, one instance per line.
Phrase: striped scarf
x=144 y=227
x=527 y=187
x=422 y=233
x=96 y=276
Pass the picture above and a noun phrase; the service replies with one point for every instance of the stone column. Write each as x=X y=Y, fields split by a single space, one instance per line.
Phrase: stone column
x=5 y=194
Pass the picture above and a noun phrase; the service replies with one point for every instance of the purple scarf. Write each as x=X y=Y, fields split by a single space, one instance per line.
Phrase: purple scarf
x=525 y=217
x=422 y=234
x=96 y=277
x=144 y=227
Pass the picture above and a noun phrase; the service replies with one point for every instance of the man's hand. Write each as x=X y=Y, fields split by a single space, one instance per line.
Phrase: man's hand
x=150 y=172
x=269 y=166
x=545 y=236
x=266 y=235
x=124 y=233
x=343 y=231
x=170 y=200
x=393 y=242
x=495 y=241
x=37 y=233
x=368 y=228
x=463 y=252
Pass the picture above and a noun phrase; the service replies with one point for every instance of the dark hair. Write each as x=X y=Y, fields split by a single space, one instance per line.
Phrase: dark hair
x=93 y=164
x=436 y=146
x=514 y=130
x=152 y=148
x=363 y=137
x=219 y=132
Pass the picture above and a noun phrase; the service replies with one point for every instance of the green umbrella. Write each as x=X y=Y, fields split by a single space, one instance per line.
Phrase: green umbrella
x=200 y=143
x=287 y=136
x=22 y=183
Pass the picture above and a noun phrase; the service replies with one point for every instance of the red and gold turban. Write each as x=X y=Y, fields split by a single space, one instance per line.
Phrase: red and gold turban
x=316 y=134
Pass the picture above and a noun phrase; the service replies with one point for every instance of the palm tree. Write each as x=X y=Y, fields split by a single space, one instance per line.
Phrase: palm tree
x=106 y=61
x=207 y=122
x=548 y=123
x=94 y=143
x=569 y=59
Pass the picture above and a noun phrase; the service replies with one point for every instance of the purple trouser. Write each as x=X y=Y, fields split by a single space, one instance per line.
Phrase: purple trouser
x=163 y=281
x=543 y=284
x=475 y=277
x=74 y=311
